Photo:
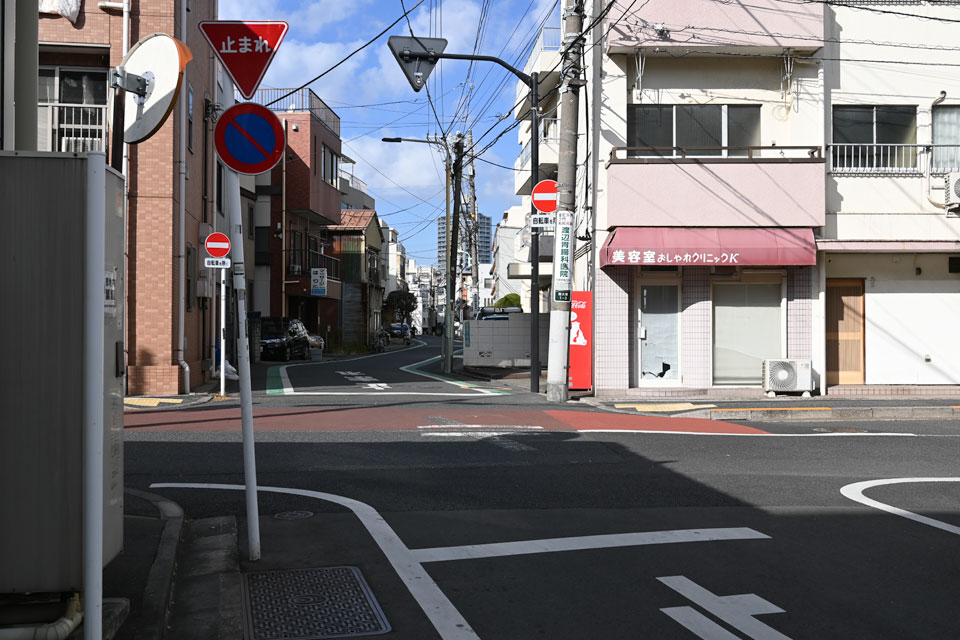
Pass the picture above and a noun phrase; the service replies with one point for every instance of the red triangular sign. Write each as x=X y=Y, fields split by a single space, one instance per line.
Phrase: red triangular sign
x=245 y=47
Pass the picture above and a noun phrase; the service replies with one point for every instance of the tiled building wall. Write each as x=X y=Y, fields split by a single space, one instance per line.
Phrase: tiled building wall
x=799 y=313
x=696 y=337
x=611 y=328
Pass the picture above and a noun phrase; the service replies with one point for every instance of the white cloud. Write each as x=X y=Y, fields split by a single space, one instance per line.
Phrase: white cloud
x=309 y=17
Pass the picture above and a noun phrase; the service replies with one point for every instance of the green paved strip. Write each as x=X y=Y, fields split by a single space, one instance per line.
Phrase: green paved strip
x=274 y=384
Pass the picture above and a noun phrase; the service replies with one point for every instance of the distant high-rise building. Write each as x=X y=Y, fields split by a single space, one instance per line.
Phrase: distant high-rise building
x=484 y=239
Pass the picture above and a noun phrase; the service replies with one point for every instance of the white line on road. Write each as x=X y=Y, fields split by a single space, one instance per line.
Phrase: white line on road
x=499 y=427
x=763 y=435
x=580 y=543
x=738 y=611
x=408 y=563
x=699 y=624
x=449 y=623
x=855 y=492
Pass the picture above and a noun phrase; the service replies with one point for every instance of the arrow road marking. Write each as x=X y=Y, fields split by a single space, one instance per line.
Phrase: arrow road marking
x=737 y=611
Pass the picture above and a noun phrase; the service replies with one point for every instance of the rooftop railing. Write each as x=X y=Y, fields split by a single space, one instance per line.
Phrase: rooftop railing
x=549 y=132
x=715 y=154
x=300 y=100
x=549 y=40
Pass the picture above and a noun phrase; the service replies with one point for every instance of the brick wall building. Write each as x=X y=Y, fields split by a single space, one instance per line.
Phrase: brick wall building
x=74 y=62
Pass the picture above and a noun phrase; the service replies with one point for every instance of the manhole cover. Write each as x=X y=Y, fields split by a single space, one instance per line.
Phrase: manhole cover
x=294 y=515
x=839 y=430
x=311 y=604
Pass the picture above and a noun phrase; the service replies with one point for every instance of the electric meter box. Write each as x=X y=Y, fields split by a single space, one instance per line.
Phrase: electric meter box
x=46 y=201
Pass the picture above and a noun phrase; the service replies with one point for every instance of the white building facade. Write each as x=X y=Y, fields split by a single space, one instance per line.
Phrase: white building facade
x=749 y=197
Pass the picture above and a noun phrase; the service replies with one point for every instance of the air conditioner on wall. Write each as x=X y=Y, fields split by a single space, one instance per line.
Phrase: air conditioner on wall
x=787 y=375
x=951 y=191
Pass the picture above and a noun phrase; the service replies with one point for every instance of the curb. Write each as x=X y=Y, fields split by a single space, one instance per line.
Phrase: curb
x=833 y=413
x=159 y=587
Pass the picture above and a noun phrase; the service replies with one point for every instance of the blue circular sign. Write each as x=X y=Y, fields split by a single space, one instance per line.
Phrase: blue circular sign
x=249 y=138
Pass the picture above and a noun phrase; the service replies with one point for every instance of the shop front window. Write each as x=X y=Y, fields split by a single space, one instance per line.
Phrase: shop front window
x=746 y=331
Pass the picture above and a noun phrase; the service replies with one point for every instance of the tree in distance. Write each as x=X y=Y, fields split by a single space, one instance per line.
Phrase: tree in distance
x=509 y=300
x=403 y=302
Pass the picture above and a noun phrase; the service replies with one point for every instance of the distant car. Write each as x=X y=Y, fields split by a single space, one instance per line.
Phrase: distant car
x=399 y=330
x=316 y=342
x=283 y=338
x=497 y=313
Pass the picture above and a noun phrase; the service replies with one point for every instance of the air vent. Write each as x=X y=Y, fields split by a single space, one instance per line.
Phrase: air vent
x=787 y=375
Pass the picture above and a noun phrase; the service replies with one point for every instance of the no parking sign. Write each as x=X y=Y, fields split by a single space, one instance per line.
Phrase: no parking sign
x=249 y=138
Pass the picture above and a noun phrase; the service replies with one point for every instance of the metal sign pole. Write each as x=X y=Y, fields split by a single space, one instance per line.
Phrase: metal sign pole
x=223 y=331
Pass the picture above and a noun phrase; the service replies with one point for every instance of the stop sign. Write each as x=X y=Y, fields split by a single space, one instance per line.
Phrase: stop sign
x=544 y=196
x=217 y=245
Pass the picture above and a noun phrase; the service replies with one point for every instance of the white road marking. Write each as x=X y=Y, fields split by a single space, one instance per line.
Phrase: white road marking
x=765 y=435
x=580 y=543
x=457 y=383
x=446 y=619
x=699 y=624
x=379 y=386
x=855 y=492
x=738 y=611
x=408 y=563
x=499 y=427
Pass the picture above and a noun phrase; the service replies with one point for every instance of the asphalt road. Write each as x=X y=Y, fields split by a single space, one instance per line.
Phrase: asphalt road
x=569 y=531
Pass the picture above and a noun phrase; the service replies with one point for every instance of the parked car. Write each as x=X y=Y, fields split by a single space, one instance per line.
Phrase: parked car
x=399 y=330
x=283 y=338
x=497 y=313
x=316 y=342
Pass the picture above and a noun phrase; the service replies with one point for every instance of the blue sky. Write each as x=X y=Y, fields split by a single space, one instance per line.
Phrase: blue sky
x=374 y=100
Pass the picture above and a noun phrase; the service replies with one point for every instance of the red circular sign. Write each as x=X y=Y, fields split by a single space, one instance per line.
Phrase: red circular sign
x=544 y=196
x=249 y=138
x=217 y=245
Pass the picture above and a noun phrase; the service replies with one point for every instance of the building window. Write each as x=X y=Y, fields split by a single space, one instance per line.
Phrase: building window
x=191 y=276
x=250 y=220
x=874 y=137
x=698 y=130
x=261 y=247
x=190 y=117
x=331 y=163
x=747 y=329
x=946 y=131
x=219 y=188
x=72 y=111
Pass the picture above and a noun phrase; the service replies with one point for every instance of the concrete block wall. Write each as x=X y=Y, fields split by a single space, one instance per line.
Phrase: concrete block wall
x=696 y=328
x=799 y=313
x=504 y=343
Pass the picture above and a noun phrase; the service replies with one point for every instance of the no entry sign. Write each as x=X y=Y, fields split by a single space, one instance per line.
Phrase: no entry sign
x=245 y=48
x=217 y=245
x=249 y=138
x=544 y=196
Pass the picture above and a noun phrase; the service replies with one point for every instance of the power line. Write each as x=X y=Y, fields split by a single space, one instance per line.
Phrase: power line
x=350 y=55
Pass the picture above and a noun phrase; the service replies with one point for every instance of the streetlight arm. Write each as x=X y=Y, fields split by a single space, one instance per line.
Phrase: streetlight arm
x=428 y=55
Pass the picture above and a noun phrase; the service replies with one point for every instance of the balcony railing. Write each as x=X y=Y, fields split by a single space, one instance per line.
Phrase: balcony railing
x=549 y=40
x=549 y=132
x=300 y=100
x=299 y=263
x=354 y=181
x=74 y=128
x=893 y=159
x=713 y=154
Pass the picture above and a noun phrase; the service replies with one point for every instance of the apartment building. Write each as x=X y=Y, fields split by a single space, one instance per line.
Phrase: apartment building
x=171 y=186
x=394 y=263
x=762 y=183
x=358 y=240
x=298 y=203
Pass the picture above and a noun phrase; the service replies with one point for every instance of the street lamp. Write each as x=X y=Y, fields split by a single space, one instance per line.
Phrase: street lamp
x=417 y=57
x=451 y=276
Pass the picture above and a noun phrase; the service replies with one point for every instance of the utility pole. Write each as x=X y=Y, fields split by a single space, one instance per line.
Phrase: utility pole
x=447 y=347
x=474 y=226
x=454 y=226
x=557 y=367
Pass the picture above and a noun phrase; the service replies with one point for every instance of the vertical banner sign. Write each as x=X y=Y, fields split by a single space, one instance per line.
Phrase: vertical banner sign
x=581 y=340
x=318 y=281
x=563 y=280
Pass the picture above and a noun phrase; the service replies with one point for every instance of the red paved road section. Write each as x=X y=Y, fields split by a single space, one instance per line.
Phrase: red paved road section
x=392 y=419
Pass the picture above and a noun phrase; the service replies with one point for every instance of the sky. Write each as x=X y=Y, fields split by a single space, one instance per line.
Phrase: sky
x=374 y=100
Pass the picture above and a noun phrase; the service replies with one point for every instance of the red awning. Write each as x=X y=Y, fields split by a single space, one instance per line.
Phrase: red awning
x=755 y=246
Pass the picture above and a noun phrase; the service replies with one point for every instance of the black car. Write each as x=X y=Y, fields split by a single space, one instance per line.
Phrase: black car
x=283 y=338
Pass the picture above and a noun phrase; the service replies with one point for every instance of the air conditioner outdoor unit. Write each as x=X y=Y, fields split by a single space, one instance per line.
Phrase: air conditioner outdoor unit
x=787 y=375
x=294 y=270
x=951 y=191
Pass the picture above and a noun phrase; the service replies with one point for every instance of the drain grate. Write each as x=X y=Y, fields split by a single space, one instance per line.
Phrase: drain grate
x=311 y=604
x=293 y=515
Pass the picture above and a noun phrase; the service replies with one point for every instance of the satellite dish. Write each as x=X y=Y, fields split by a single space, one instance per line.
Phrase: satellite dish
x=160 y=60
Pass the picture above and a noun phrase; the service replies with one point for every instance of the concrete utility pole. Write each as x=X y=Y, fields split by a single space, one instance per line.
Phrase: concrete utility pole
x=453 y=222
x=557 y=366
x=474 y=225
